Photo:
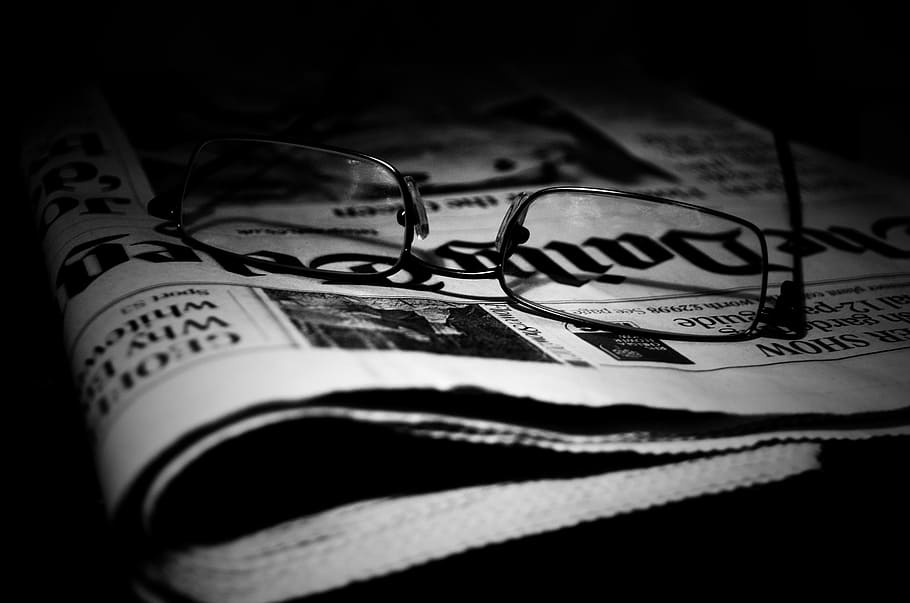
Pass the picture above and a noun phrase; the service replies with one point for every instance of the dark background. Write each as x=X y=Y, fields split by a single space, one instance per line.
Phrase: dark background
x=835 y=74
x=835 y=71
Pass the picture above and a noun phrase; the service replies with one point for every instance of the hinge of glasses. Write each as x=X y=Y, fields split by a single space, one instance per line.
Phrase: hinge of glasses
x=786 y=319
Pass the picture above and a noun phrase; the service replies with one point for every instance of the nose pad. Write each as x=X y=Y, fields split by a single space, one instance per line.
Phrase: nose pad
x=519 y=237
x=513 y=207
x=422 y=228
x=164 y=206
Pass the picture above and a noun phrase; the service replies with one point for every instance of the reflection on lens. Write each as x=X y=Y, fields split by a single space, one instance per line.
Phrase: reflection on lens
x=620 y=259
x=294 y=205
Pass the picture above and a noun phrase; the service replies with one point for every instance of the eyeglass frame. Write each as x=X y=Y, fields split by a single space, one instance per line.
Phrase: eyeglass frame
x=785 y=320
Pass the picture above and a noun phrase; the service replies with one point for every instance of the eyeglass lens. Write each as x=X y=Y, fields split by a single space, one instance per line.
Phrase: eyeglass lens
x=639 y=263
x=293 y=204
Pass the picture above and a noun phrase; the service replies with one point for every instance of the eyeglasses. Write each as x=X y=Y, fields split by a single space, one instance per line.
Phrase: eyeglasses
x=600 y=259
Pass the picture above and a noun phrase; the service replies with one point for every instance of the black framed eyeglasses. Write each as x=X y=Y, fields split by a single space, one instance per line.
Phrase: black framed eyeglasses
x=598 y=258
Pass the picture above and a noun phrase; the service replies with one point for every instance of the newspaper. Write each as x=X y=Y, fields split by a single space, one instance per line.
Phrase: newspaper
x=179 y=354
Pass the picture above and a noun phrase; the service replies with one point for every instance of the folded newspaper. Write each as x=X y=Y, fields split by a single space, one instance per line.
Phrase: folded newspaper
x=262 y=436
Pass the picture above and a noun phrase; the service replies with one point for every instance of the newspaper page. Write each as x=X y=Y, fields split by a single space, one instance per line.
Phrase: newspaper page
x=176 y=350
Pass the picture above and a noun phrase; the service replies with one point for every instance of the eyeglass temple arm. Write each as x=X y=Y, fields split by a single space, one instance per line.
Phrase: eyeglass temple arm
x=787 y=318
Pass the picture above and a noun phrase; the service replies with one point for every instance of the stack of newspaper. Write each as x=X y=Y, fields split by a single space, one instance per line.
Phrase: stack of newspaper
x=262 y=436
